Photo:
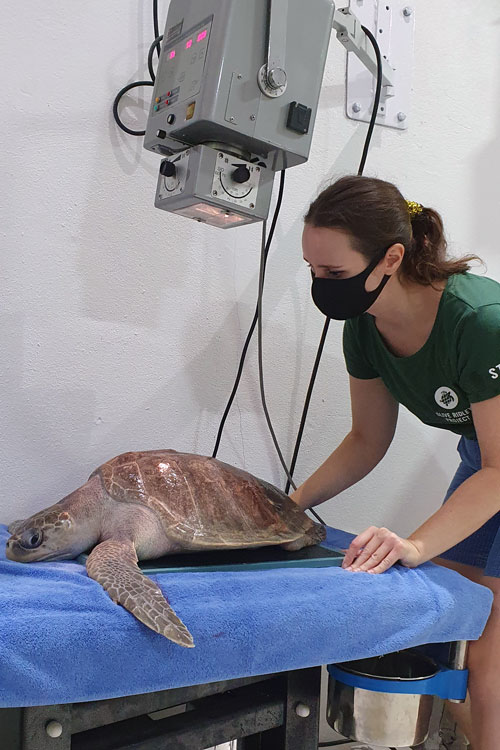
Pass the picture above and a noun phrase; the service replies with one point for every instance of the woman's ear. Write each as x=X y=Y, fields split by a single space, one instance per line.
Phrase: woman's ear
x=393 y=258
x=387 y=266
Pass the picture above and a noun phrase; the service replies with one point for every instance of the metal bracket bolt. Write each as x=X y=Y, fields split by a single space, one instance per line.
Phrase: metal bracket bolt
x=54 y=729
x=302 y=710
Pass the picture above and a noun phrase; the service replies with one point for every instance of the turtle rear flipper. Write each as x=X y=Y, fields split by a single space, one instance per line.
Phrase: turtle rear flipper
x=113 y=564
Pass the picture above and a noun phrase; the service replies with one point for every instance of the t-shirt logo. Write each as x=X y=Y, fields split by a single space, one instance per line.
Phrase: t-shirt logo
x=446 y=397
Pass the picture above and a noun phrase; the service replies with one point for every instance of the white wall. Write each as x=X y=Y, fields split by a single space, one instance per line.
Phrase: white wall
x=121 y=325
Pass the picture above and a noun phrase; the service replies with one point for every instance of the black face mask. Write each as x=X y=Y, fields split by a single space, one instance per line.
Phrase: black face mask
x=346 y=298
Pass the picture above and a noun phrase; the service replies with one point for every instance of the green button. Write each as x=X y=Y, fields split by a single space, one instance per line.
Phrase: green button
x=156 y=108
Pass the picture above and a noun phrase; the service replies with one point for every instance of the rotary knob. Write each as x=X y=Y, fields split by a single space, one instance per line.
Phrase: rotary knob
x=241 y=173
x=167 y=169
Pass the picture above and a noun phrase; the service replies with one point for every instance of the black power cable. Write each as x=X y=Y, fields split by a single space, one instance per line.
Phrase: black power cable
x=368 y=138
x=155 y=45
x=265 y=245
x=262 y=272
x=253 y=323
x=156 y=27
x=305 y=409
x=376 y=100
x=289 y=473
x=117 y=101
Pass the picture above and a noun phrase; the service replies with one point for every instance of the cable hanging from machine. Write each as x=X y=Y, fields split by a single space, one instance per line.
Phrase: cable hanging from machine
x=289 y=472
x=376 y=102
x=253 y=323
x=155 y=45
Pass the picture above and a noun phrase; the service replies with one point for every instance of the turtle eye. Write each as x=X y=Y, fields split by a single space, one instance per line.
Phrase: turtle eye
x=31 y=538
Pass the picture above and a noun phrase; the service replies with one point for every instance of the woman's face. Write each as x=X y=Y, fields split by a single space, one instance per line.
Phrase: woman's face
x=330 y=255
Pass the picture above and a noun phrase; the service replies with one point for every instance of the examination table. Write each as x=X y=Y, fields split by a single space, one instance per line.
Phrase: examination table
x=77 y=671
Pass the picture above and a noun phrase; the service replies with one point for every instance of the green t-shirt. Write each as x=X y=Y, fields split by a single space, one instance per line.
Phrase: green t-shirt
x=459 y=364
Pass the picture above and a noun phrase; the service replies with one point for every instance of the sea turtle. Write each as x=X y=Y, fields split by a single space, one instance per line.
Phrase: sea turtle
x=142 y=505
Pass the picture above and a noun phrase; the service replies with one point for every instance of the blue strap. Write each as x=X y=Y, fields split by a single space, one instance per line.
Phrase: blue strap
x=447 y=683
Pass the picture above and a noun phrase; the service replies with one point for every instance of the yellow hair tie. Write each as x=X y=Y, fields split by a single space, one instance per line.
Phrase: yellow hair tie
x=414 y=208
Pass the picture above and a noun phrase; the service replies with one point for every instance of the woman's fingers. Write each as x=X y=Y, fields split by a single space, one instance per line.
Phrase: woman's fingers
x=357 y=544
x=374 y=551
x=386 y=563
x=370 y=557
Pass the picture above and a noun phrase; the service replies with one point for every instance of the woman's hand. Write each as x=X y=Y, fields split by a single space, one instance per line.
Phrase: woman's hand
x=377 y=549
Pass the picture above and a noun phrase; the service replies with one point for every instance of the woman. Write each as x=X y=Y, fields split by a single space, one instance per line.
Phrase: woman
x=422 y=331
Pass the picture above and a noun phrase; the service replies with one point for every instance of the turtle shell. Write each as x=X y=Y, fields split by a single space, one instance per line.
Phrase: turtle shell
x=203 y=502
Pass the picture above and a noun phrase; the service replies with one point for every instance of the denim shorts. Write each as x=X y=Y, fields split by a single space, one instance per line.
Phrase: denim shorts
x=482 y=548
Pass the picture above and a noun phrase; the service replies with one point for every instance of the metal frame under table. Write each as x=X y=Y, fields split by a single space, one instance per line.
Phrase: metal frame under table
x=268 y=712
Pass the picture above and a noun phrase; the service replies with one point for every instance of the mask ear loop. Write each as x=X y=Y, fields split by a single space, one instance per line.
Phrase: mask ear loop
x=373 y=265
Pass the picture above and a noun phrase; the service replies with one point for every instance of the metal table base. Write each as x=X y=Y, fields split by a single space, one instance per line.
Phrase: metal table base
x=268 y=712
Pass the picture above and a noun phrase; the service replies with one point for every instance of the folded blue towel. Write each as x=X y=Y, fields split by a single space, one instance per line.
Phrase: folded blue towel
x=63 y=640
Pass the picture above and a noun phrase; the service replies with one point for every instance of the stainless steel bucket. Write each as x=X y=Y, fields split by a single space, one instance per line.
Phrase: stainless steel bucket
x=382 y=718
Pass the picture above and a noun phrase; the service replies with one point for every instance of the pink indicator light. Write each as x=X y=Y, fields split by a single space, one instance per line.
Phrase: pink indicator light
x=171 y=55
x=189 y=44
x=201 y=36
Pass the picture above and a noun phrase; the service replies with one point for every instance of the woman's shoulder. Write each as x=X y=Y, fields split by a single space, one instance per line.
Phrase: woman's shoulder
x=472 y=292
x=360 y=328
x=471 y=311
x=363 y=322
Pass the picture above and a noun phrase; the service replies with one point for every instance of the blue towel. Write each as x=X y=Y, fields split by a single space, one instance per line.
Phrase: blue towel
x=63 y=640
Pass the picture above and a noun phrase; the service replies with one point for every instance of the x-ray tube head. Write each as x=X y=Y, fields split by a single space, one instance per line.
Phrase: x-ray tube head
x=210 y=96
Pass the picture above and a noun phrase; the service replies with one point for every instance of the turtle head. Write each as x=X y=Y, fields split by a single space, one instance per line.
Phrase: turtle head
x=48 y=535
x=60 y=532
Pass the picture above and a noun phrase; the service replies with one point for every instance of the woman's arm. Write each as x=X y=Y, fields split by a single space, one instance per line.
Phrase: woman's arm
x=477 y=499
x=374 y=417
x=466 y=510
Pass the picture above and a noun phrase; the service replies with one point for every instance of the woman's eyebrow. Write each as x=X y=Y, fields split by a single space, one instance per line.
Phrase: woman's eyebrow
x=336 y=268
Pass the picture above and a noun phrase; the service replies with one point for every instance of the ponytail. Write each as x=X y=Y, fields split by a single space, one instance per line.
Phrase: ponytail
x=425 y=261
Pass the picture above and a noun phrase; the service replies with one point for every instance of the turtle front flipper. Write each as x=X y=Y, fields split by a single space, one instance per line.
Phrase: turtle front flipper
x=113 y=564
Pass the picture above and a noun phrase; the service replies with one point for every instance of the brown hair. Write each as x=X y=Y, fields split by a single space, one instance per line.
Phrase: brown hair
x=375 y=214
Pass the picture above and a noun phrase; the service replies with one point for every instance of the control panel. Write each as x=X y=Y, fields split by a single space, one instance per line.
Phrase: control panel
x=181 y=72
